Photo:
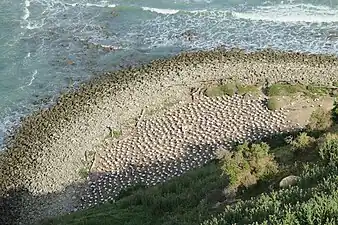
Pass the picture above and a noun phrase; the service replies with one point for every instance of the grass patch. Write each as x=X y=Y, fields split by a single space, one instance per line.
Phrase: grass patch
x=273 y=104
x=317 y=91
x=84 y=172
x=116 y=133
x=285 y=89
x=311 y=91
x=220 y=90
x=248 y=89
x=320 y=120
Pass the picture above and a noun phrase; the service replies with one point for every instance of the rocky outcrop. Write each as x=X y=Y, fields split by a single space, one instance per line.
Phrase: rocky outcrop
x=46 y=152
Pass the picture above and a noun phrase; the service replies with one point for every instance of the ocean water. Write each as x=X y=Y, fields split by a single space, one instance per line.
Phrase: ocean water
x=47 y=46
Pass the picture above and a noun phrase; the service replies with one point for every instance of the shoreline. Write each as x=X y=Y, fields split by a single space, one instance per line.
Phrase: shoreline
x=45 y=153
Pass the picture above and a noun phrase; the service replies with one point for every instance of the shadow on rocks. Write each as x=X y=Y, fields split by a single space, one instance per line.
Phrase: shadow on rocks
x=21 y=207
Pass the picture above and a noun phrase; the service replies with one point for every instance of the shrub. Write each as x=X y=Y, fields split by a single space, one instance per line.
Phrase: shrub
x=285 y=89
x=243 y=89
x=320 y=120
x=328 y=148
x=302 y=142
x=247 y=165
x=116 y=133
x=315 y=91
x=273 y=103
x=84 y=172
x=335 y=111
x=228 y=89
x=219 y=90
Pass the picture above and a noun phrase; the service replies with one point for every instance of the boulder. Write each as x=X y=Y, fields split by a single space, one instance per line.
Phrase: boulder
x=289 y=181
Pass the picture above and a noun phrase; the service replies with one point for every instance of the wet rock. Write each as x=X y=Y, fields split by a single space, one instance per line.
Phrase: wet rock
x=189 y=35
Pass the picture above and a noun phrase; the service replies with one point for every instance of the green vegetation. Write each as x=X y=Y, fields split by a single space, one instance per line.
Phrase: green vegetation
x=243 y=89
x=116 y=133
x=335 y=111
x=312 y=91
x=277 y=89
x=284 y=89
x=84 y=172
x=315 y=91
x=303 y=142
x=219 y=90
x=320 y=120
x=243 y=187
x=328 y=148
x=273 y=103
x=248 y=164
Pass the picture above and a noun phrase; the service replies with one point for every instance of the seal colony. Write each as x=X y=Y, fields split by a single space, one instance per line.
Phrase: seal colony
x=44 y=155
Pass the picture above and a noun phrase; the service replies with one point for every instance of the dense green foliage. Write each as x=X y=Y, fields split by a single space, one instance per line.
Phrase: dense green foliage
x=320 y=120
x=328 y=148
x=335 y=111
x=313 y=201
x=302 y=142
x=248 y=164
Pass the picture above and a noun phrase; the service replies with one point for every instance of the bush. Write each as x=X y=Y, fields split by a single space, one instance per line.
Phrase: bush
x=328 y=148
x=315 y=91
x=219 y=90
x=273 y=104
x=84 y=172
x=320 y=120
x=116 y=133
x=302 y=142
x=247 y=165
x=285 y=89
x=335 y=111
x=243 y=89
x=229 y=89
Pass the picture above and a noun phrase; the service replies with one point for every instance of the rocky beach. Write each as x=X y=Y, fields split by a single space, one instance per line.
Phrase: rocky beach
x=144 y=125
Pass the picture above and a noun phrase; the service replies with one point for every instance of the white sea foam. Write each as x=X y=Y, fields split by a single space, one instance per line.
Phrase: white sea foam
x=291 y=13
x=26 y=18
x=28 y=55
x=32 y=78
x=161 y=11
x=276 y=13
x=26 y=10
x=101 y=5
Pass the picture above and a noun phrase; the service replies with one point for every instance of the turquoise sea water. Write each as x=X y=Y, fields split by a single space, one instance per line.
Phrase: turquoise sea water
x=49 y=45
